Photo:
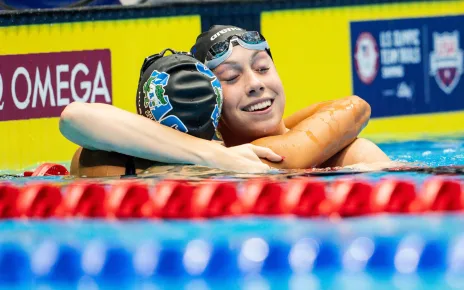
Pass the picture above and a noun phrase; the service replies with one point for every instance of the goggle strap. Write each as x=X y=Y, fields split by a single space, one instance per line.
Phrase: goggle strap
x=152 y=58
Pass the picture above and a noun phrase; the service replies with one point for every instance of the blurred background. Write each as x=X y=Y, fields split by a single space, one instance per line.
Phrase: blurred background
x=403 y=57
x=382 y=230
x=31 y=4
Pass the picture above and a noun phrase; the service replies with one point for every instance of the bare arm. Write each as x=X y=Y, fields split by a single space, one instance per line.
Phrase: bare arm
x=359 y=151
x=108 y=128
x=294 y=119
x=328 y=130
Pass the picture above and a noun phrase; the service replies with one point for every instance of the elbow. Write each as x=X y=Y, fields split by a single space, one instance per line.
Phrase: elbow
x=77 y=124
x=68 y=113
x=363 y=110
x=73 y=110
x=71 y=118
x=362 y=105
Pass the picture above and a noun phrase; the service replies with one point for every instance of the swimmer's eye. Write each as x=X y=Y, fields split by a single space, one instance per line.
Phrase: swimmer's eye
x=263 y=70
x=231 y=80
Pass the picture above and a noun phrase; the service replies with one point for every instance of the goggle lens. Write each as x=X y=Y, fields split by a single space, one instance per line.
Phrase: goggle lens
x=252 y=37
x=218 y=49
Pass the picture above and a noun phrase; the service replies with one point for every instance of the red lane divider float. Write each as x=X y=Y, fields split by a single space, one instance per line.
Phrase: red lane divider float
x=177 y=199
x=395 y=196
x=307 y=198
x=441 y=195
x=38 y=200
x=48 y=169
x=215 y=199
x=351 y=197
x=172 y=199
x=8 y=197
x=262 y=197
x=84 y=199
x=128 y=199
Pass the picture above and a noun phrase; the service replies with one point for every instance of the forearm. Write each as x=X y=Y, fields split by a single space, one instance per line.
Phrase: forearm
x=105 y=127
x=359 y=151
x=323 y=134
x=294 y=119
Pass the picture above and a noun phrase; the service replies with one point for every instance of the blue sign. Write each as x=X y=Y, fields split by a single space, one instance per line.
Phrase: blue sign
x=409 y=66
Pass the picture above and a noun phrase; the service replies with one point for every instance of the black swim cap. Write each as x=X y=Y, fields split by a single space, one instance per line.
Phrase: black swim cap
x=216 y=33
x=180 y=92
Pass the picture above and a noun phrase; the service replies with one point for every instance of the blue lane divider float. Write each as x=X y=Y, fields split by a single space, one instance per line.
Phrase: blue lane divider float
x=118 y=254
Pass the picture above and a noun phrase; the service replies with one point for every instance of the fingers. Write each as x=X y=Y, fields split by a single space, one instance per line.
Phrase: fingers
x=259 y=168
x=266 y=153
x=245 y=158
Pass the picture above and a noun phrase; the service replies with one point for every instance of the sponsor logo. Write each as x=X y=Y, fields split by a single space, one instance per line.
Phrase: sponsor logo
x=41 y=85
x=224 y=31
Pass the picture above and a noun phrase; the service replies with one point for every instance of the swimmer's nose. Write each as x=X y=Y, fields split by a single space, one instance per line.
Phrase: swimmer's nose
x=255 y=86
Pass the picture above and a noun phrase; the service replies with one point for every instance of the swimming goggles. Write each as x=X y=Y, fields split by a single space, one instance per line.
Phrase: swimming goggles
x=220 y=51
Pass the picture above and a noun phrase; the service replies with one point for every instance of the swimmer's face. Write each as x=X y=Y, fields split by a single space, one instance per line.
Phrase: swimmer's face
x=254 y=98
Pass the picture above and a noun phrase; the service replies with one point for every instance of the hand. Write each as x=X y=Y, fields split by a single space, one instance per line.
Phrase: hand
x=246 y=158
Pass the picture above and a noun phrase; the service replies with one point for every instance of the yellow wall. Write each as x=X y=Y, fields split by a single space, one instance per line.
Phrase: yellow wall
x=311 y=49
x=29 y=142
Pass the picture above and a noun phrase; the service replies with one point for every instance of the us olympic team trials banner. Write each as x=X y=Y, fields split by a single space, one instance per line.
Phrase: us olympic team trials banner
x=409 y=66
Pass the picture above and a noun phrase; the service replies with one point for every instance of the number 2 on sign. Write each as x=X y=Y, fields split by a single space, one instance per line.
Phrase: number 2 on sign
x=1 y=92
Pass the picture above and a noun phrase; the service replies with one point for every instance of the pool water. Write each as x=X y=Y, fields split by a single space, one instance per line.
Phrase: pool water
x=375 y=252
x=426 y=153
x=443 y=152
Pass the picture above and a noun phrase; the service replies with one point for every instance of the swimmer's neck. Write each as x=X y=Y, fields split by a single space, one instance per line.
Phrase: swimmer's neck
x=231 y=139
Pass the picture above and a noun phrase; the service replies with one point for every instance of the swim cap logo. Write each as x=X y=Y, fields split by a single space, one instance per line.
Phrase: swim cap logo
x=224 y=31
x=158 y=102
x=217 y=91
x=154 y=89
x=446 y=60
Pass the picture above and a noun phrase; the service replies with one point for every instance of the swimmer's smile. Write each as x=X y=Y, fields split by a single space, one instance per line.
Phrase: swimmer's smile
x=262 y=106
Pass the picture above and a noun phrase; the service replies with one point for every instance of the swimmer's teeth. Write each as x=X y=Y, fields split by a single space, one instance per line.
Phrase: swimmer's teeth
x=259 y=106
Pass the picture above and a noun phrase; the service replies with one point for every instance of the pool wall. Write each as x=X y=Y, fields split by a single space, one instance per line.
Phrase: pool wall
x=394 y=55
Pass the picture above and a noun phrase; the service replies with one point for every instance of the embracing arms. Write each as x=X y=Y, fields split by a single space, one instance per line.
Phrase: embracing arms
x=294 y=119
x=359 y=151
x=319 y=132
x=108 y=128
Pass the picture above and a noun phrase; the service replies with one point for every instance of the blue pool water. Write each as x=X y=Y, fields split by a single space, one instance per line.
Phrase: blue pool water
x=440 y=152
x=376 y=252
x=433 y=153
